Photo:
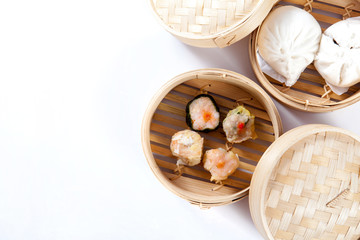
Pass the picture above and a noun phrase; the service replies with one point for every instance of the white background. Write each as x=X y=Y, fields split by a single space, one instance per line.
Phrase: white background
x=75 y=80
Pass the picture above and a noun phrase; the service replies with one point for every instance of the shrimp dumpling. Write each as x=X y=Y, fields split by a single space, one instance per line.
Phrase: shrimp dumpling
x=202 y=113
x=239 y=125
x=187 y=145
x=220 y=163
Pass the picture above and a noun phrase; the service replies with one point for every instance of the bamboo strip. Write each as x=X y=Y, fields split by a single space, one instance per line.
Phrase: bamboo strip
x=224 y=89
x=183 y=88
x=300 y=96
x=221 y=103
x=241 y=175
x=311 y=66
x=318 y=79
x=215 y=23
x=340 y=4
x=303 y=185
x=322 y=6
x=201 y=175
x=305 y=88
x=217 y=134
x=238 y=174
x=212 y=144
x=259 y=126
x=249 y=144
x=324 y=18
x=320 y=90
x=198 y=186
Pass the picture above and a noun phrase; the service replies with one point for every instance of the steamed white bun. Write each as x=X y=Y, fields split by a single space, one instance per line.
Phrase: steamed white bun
x=338 y=59
x=288 y=41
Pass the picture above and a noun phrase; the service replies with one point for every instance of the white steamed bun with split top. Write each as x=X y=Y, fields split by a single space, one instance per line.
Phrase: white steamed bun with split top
x=338 y=58
x=288 y=41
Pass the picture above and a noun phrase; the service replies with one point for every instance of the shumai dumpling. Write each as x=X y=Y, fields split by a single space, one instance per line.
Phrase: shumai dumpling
x=202 y=113
x=239 y=125
x=338 y=59
x=187 y=145
x=288 y=41
x=220 y=163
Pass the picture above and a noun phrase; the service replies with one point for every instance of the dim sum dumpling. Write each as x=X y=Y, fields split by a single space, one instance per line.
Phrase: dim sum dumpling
x=239 y=125
x=338 y=59
x=202 y=113
x=288 y=41
x=187 y=145
x=220 y=163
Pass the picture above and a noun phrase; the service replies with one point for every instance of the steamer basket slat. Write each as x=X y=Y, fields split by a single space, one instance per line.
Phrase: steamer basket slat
x=166 y=116
x=214 y=23
x=211 y=144
x=200 y=187
x=306 y=186
x=308 y=92
x=178 y=123
x=266 y=135
x=224 y=102
x=243 y=176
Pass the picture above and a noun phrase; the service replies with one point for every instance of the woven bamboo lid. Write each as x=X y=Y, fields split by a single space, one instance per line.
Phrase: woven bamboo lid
x=211 y=23
x=310 y=93
x=306 y=185
x=165 y=116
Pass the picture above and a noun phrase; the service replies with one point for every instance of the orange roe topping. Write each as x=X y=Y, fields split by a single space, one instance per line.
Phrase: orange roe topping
x=240 y=126
x=220 y=164
x=207 y=116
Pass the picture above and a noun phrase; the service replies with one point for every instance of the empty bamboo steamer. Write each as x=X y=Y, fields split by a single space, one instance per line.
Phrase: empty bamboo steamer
x=306 y=185
x=310 y=93
x=165 y=115
x=210 y=23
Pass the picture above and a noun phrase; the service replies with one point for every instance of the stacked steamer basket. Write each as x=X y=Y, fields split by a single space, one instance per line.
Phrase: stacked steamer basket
x=310 y=93
x=306 y=185
x=166 y=115
x=211 y=23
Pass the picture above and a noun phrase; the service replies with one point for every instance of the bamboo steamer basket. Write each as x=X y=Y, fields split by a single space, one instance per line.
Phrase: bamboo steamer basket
x=165 y=116
x=210 y=23
x=306 y=185
x=310 y=93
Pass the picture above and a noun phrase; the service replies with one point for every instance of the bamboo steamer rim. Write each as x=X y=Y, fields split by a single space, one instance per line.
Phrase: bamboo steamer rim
x=198 y=36
x=228 y=35
x=222 y=76
x=291 y=101
x=268 y=164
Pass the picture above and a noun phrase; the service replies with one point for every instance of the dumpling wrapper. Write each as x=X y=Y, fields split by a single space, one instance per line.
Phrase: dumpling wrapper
x=288 y=41
x=187 y=145
x=220 y=163
x=338 y=58
x=267 y=69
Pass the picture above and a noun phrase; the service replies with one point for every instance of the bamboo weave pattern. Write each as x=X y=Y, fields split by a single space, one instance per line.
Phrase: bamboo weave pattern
x=311 y=93
x=320 y=170
x=203 y=17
